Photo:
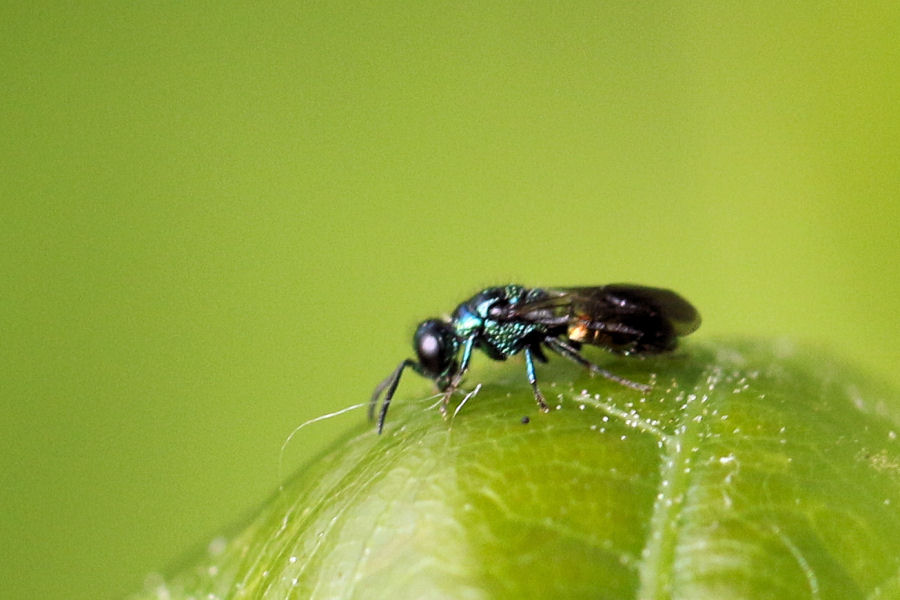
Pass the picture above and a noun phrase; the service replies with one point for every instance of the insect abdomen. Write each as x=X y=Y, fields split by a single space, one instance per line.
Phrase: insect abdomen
x=626 y=334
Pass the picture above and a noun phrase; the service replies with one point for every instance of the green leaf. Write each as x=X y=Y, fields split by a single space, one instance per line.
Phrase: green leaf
x=751 y=470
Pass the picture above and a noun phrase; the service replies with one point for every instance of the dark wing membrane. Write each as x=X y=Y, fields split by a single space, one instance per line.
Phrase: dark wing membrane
x=624 y=318
x=683 y=317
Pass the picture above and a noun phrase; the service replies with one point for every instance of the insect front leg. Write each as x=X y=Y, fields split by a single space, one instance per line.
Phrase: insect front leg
x=572 y=353
x=457 y=377
x=532 y=379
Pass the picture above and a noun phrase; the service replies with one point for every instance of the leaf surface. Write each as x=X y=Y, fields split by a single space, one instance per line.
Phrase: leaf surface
x=750 y=470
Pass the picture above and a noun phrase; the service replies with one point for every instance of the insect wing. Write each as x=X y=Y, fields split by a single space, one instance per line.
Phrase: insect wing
x=628 y=299
x=624 y=318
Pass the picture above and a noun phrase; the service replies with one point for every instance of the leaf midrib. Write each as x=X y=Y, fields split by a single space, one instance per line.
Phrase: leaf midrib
x=655 y=567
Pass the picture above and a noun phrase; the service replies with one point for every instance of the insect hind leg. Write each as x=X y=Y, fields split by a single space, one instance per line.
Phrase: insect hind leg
x=564 y=349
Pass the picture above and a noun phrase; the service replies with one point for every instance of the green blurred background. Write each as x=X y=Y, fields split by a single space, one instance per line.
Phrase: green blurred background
x=223 y=220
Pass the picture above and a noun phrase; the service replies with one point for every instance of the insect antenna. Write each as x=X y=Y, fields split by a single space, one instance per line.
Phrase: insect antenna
x=390 y=383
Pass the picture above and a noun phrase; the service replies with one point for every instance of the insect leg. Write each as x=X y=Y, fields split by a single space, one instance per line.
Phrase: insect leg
x=532 y=379
x=457 y=377
x=564 y=349
x=390 y=383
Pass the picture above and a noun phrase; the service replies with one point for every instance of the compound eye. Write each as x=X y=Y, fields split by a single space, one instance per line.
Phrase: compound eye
x=435 y=346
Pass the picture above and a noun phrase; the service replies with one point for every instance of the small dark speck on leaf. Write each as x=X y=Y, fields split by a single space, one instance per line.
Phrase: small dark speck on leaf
x=525 y=420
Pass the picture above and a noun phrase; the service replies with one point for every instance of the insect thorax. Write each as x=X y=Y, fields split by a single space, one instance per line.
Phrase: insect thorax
x=498 y=337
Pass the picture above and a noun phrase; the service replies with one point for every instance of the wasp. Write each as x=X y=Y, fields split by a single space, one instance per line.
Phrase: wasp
x=623 y=318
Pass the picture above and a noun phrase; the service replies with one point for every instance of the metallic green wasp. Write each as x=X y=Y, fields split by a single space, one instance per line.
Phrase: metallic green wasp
x=502 y=321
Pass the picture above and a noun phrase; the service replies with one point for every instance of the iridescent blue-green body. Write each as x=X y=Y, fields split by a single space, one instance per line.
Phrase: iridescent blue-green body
x=482 y=317
x=512 y=319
